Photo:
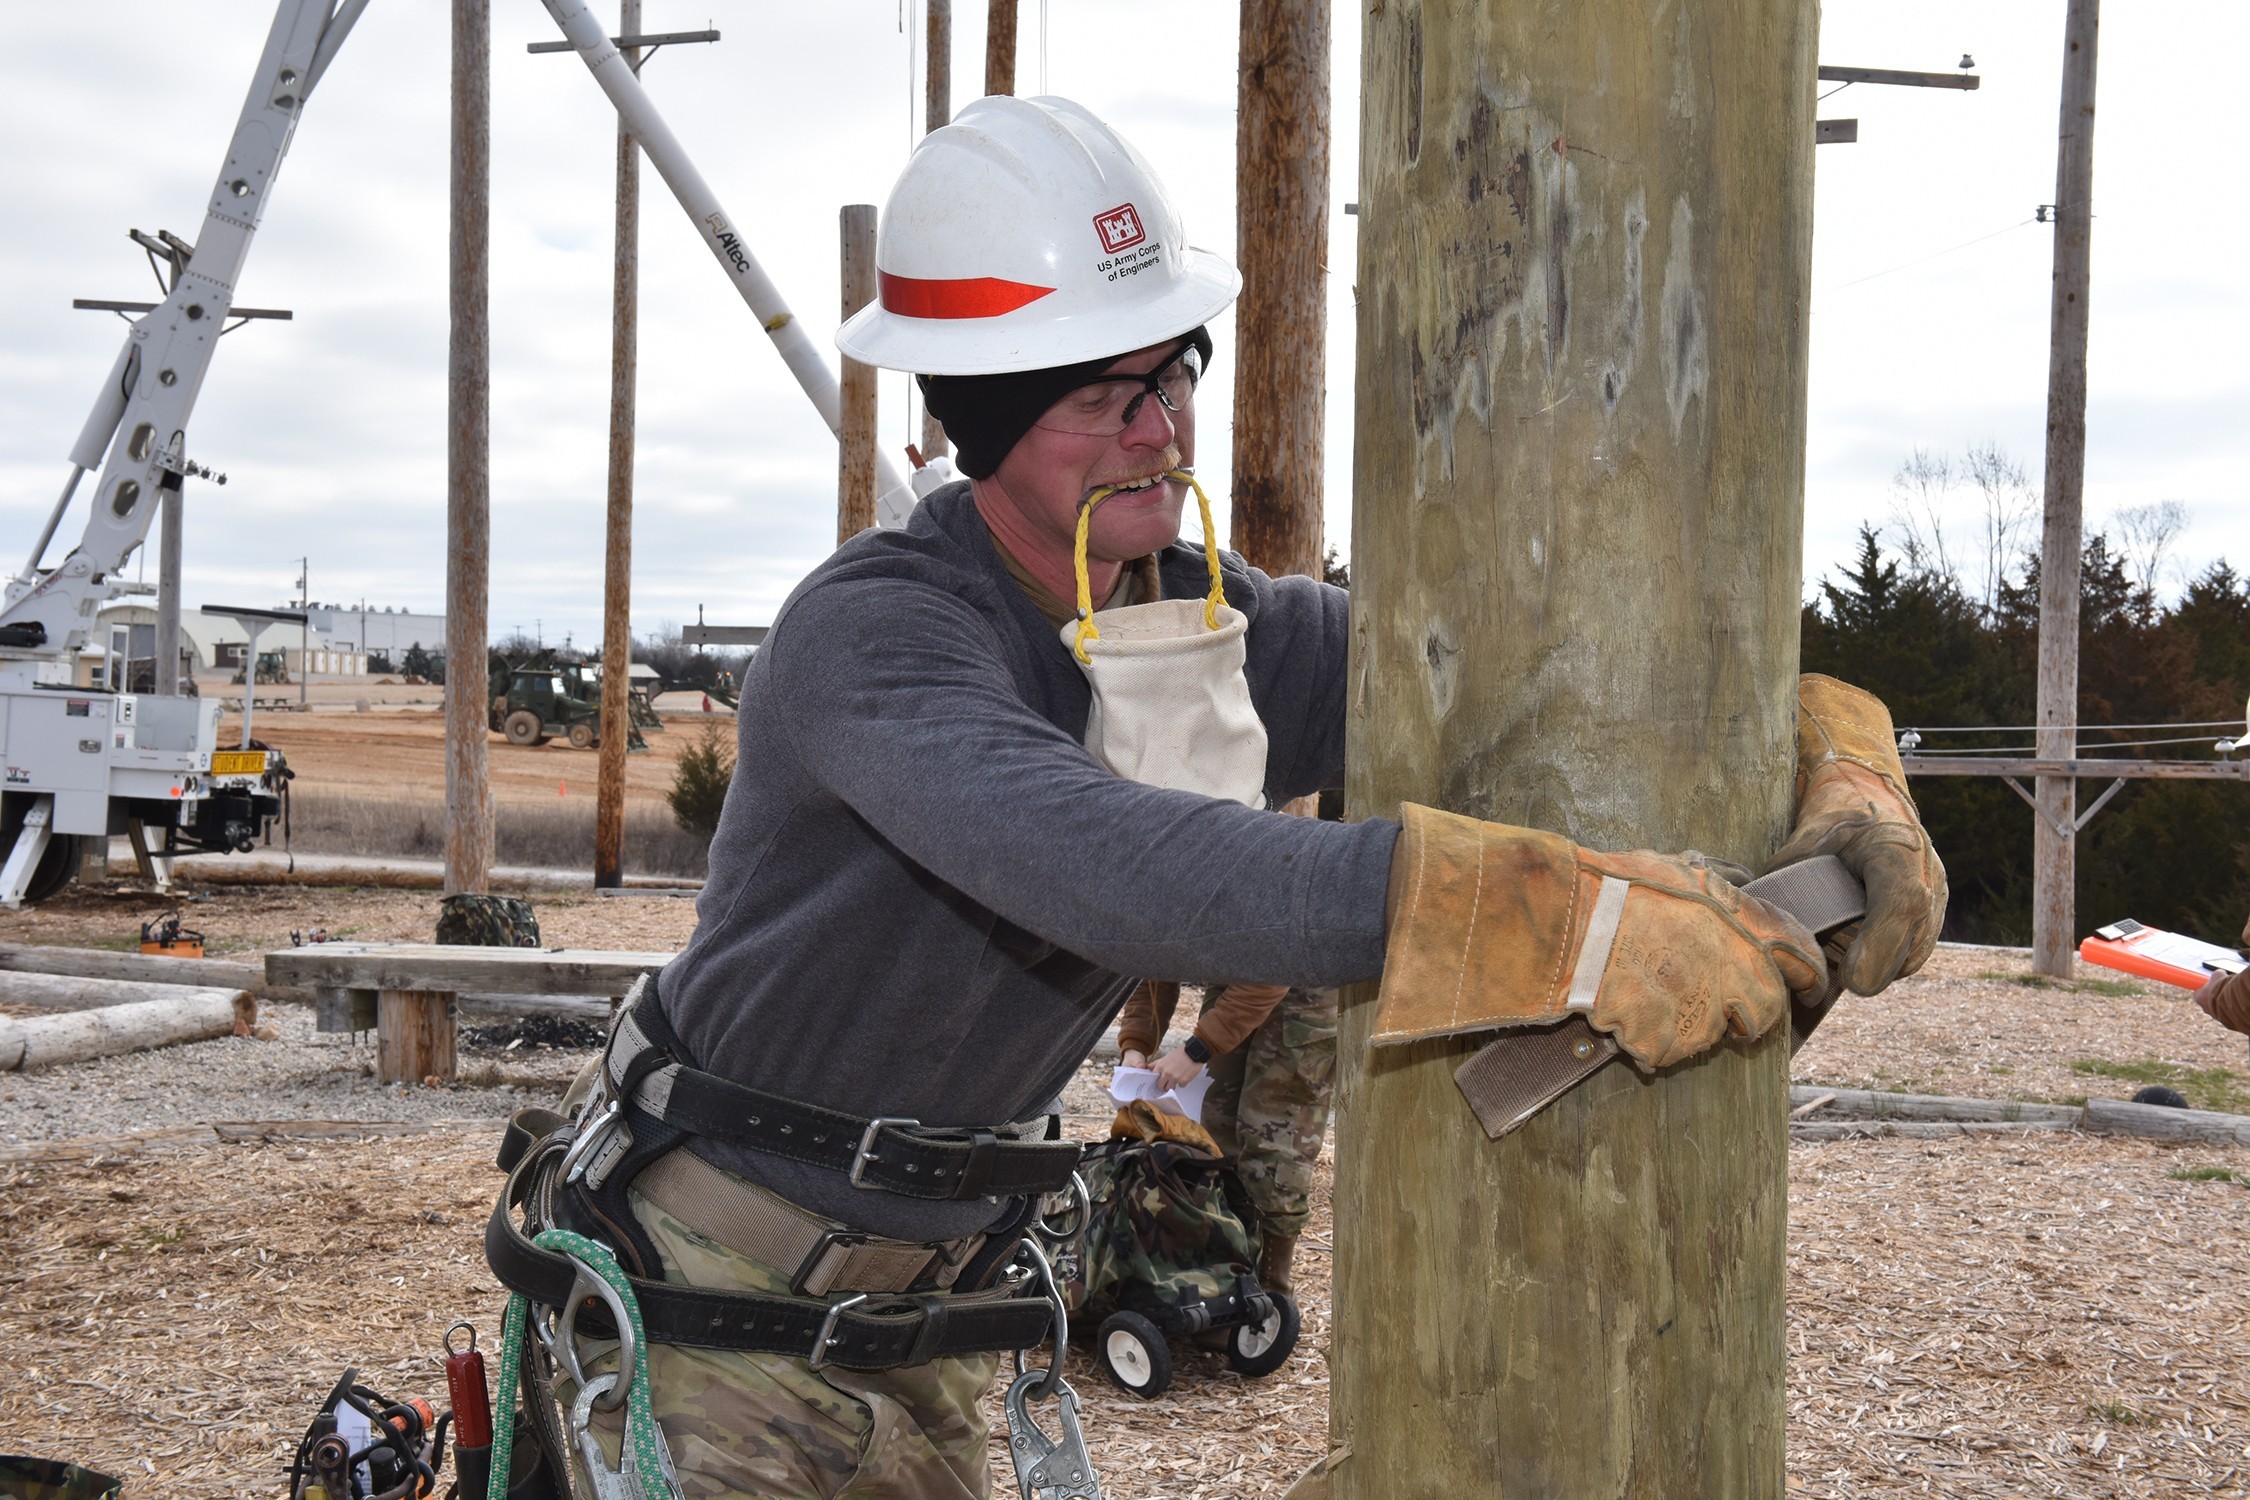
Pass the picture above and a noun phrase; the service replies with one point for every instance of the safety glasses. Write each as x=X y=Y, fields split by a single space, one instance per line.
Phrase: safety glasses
x=1107 y=404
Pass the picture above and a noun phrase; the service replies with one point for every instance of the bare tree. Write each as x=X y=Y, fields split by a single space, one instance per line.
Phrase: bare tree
x=1918 y=503
x=2010 y=506
x=2145 y=533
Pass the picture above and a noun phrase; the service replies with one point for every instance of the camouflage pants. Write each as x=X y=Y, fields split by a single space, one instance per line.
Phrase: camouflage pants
x=1269 y=1105
x=770 y=1426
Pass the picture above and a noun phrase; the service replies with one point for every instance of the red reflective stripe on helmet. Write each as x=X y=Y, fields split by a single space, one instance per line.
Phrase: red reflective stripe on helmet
x=972 y=297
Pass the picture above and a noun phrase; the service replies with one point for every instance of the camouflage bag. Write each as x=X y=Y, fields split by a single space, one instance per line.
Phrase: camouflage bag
x=474 y=921
x=1170 y=1233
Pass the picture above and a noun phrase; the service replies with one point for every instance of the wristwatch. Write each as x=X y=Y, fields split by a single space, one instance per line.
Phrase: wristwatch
x=1196 y=1050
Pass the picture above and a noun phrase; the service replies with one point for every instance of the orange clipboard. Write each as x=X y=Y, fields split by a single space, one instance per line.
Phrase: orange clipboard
x=2166 y=957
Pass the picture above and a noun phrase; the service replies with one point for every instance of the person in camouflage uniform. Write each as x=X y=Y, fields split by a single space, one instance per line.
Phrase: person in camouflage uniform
x=1269 y=1104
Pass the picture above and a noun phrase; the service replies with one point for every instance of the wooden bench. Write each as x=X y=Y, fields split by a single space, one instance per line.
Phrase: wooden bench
x=411 y=989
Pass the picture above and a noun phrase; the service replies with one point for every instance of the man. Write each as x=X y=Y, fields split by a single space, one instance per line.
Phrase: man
x=928 y=897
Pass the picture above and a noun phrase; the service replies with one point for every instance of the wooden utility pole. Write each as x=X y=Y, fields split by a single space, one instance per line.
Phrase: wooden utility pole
x=2054 y=836
x=1281 y=323
x=855 y=448
x=1000 y=47
x=617 y=561
x=468 y=513
x=1578 y=482
x=937 y=113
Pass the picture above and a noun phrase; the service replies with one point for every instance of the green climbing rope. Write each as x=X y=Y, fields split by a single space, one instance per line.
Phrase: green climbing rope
x=646 y=1464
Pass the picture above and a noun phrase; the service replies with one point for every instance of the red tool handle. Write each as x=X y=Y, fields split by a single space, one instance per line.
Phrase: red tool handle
x=472 y=1399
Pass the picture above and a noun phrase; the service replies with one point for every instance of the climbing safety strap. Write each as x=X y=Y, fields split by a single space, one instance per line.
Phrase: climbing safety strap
x=644 y=1469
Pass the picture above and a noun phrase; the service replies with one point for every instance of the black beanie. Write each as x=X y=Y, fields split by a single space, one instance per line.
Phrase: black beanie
x=985 y=415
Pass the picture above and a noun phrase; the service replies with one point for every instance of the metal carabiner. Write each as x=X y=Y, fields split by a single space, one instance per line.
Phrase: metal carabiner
x=1052 y=1375
x=562 y=1338
x=609 y=1484
x=587 y=1140
x=1049 y=1468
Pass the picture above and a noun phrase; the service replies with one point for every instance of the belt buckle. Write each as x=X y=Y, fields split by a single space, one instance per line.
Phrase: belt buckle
x=866 y=1151
x=801 y=1284
x=827 y=1338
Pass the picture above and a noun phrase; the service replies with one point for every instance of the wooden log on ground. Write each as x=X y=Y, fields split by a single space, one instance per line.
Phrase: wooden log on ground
x=182 y=1016
x=144 y=968
x=1869 y=1130
x=67 y=993
x=2118 y=1117
x=1865 y=1104
x=1584 y=246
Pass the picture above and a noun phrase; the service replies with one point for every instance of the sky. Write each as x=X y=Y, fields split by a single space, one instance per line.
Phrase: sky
x=1929 y=325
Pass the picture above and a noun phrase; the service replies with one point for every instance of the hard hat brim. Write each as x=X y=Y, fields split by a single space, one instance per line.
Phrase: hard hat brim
x=1033 y=338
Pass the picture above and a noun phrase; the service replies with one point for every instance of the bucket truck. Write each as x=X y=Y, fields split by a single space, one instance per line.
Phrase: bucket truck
x=78 y=763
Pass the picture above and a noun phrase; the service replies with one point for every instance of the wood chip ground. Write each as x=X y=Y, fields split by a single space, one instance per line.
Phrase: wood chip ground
x=2048 y=1315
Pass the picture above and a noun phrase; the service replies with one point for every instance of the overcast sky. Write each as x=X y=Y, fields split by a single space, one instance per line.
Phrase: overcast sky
x=332 y=427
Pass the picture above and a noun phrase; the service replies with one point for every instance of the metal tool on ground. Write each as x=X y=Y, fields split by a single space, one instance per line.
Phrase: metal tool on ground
x=1519 y=1073
x=82 y=763
x=165 y=937
x=465 y=1385
x=362 y=1445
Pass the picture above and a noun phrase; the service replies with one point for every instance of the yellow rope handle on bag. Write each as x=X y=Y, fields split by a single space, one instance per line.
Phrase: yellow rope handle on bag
x=1087 y=629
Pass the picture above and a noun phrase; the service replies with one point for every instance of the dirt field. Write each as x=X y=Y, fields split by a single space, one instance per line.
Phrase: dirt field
x=2040 y=1315
x=397 y=747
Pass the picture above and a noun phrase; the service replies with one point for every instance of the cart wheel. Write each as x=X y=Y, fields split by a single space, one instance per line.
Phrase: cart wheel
x=522 y=728
x=1133 y=1354
x=1263 y=1347
x=582 y=735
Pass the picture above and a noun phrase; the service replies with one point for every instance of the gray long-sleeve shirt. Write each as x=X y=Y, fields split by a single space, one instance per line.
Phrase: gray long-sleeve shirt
x=927 y=899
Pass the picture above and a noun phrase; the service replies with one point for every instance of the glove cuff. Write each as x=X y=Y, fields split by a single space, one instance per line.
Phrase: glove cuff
x=1838 y=722
x=1481 y=926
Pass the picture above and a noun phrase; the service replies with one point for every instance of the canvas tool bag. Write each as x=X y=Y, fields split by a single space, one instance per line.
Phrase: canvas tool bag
x=1171 y=707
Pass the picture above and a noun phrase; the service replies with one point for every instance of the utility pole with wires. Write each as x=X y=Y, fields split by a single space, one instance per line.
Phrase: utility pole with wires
x=2054 y=862
x=1000 y=47
x=304 y=631
x=617 y=551
x=468 y=503
x=1281 y=324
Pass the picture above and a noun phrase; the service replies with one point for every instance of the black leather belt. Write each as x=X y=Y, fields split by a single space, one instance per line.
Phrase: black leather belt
x=861 y=1333
x=886 y=1153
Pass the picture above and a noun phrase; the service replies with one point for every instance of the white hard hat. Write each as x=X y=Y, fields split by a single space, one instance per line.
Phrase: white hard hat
x=1024 y=235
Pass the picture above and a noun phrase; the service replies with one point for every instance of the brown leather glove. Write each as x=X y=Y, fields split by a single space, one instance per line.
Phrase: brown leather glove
x=1494 y=926
x=1852 y=803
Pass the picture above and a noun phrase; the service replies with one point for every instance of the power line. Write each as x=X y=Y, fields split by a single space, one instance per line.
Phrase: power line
x=1926 y=259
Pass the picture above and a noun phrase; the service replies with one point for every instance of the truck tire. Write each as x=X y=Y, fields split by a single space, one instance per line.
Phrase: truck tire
x=522 y=728
x=582 y=735
x=56 y=869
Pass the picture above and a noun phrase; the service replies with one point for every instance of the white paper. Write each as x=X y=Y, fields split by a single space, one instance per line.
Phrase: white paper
x=1128 y=1084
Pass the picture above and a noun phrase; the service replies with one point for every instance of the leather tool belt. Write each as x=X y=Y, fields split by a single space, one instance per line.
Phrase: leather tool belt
x=631 y=1132
x=644 y=1072
x=864 y=1332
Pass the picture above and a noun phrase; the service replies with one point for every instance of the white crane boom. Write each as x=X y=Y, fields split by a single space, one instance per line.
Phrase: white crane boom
x=140 y=415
